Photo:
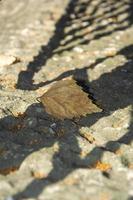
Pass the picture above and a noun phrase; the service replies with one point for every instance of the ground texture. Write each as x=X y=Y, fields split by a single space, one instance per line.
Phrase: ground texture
x=43 y=41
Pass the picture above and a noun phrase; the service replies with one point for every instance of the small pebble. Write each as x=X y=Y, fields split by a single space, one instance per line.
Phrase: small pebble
x=55 y=58
x=53 y=125
x=84 y=24
x=78 y=49
x=6 y=60
x=110 y=51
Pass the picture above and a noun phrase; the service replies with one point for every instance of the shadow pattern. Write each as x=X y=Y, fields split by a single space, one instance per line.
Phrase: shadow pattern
x=82 y=22
x=115 y=91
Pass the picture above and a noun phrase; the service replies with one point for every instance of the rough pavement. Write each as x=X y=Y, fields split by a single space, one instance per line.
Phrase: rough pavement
x=44 y=41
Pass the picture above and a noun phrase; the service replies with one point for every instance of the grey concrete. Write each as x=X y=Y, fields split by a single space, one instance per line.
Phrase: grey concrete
x=43 y=158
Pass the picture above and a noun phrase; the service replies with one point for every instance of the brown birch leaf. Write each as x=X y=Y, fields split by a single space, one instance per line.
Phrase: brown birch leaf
x=65 y=99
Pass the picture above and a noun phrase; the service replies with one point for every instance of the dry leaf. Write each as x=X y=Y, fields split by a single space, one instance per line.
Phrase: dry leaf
x=102 y=166
x=65 y=99
x=110 y=51
x=9 y=170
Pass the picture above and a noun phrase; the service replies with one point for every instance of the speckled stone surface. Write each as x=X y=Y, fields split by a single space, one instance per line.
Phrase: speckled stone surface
x=42 y=158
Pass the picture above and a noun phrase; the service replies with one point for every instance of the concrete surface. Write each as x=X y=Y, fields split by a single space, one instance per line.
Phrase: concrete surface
x=42 y=158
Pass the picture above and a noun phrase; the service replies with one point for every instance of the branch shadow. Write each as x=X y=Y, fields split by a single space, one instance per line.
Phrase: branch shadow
x=85 y=22
x=114 y=90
